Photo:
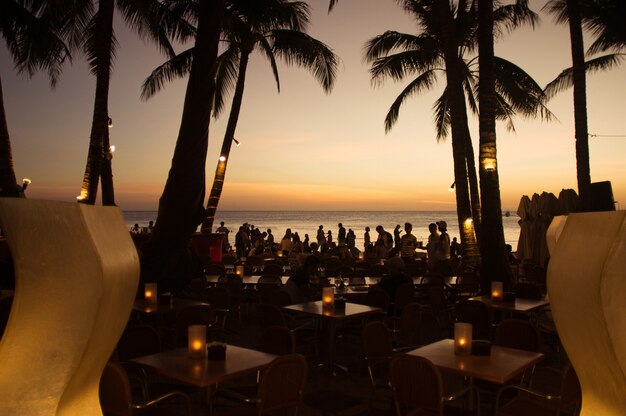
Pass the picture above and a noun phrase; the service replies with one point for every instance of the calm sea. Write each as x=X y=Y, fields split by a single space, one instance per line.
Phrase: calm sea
x=307 y=222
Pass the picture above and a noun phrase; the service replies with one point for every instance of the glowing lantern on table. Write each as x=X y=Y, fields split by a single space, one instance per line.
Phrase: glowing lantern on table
x=361 y=255
x=328 y=297
x=150 y=292
x=239 y=270
x=196 y=341
x=496 y=290
x=462 y=338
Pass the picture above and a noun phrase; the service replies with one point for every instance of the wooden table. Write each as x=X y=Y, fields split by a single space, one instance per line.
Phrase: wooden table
x=520 y=305
x=147 y=308
x=501 y=366
x=204 y=373
x=246 y=280
x=201 y=372
x=332 y=316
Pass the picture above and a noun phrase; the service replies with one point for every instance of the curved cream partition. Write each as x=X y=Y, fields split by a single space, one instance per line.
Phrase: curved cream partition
x=76 y=276
x=587 y=289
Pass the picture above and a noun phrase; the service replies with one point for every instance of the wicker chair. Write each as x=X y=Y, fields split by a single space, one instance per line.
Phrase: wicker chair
x=417 y=387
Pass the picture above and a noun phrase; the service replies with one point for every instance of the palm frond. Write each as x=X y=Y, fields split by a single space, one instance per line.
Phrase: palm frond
x=144 y=17
x=522 y=94
x=266 y=48
x=565 y=79
x=424 y=82
x=332 y=4
x=225 y=78
x=176 y=67
x=441 y=109
x=513 y=16
x=298 y=48
x=606 y=20
x=392 y=41
x=403 y=64
x=558 y=9
x=504 y=112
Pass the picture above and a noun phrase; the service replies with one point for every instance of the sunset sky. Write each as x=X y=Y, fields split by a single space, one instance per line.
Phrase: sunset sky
x=302 y=149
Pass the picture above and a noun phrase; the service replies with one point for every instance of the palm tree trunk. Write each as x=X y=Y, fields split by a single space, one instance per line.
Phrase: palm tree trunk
x=166 y=256
x=229 y=135
x=8 y=183
x=583 y=169
x=495 y=265
x=458 y=123
x=99 y=124
x=473 y=184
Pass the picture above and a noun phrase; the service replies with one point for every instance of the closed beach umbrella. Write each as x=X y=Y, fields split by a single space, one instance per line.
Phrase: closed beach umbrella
x=568 y=201
x=524 y=244
x=547 y=207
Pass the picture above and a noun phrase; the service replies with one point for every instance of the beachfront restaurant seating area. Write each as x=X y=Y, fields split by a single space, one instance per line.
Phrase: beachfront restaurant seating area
x=233 y=342
x=342 y=356
x=348 y=363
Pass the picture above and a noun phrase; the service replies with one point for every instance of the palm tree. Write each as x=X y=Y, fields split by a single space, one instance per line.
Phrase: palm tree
x=33 y=31
x=570 y=12
x=273 y=27
x=495 y=264
x=98 y=42
x=447 y=38
x=166 y=257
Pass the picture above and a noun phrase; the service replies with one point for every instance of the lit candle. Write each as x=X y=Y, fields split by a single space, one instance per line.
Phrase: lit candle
x=462 y=338
x=150 y=292
x=496 y=290
x=196 y=341
x=361 y=255
x=280 y=254
x=239 y=270
x=328 y=297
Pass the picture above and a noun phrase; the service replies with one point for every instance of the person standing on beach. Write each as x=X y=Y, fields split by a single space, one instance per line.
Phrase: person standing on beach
x=367 y=241
x=431 y=247
x=270 y=240
x=321 y=238
x=341 y=235
x=242 y=243
x=285 y=243
x=329 y=239
x=350 y=239
x=396 y=238
x=384 y=243
x=223 y=230
x=408 y=243
x=443 y=247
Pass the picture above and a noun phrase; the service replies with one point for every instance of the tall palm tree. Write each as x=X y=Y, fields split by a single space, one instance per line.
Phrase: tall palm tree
x=446 y=45
x=97 y=40
x=166 y=257
x=571 y=12
x=33 y=32
x=495 y=264
x=275 y=28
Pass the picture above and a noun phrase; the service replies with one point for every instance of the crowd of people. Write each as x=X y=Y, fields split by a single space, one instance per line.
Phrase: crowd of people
x=250 y=240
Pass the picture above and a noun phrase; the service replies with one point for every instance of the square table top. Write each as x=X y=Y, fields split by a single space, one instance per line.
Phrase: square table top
x=520 y=304
x=201 y=372
x=315 y=308
x=142 y=306
x=501 y=366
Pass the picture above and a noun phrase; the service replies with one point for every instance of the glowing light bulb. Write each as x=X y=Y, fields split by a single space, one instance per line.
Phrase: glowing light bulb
x=222 y=158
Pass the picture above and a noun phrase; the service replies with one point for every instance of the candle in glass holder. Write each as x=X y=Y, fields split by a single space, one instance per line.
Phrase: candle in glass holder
x=239 y=270
x=496 y=290
x=328 y=297
x=361 y=255
x=150 y=292
x=196 y=341
x=462 y=338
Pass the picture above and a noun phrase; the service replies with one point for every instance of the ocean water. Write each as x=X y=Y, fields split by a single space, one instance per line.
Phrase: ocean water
x=307 y=222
